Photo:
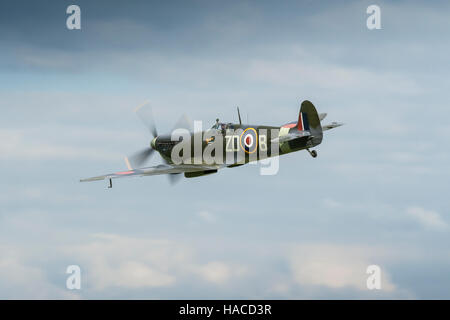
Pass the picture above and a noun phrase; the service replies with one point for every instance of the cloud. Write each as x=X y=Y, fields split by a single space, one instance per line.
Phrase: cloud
x=70 y=95
x=335 y=266
x=216 y=272
x=16 y=145
x=23 y=280
x=119 y=261
x=219 y=272
x=427 y=218
x=331 y=203
x=127 y=274
x=127 y=262
x=207 y=216
x=329 y=76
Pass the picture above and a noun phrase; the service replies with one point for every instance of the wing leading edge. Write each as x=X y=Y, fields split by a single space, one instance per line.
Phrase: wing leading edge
x=153 y=171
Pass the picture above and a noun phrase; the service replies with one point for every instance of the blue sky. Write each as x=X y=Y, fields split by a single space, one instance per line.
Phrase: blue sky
x=376 y=194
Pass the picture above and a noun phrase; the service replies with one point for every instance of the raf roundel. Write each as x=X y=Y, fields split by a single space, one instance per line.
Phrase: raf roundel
x=249 y=140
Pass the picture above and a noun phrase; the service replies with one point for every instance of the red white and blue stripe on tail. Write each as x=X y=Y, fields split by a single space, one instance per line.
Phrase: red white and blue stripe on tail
x=303 y=124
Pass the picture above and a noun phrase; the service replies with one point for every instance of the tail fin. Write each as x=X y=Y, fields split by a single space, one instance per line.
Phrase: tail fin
x=308 y=119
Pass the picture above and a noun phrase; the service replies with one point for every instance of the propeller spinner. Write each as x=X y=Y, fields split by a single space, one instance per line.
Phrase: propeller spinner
x=145 y=113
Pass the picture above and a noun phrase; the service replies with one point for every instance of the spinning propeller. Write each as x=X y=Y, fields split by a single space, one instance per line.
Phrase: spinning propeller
x=144 y=113
x=140 y=157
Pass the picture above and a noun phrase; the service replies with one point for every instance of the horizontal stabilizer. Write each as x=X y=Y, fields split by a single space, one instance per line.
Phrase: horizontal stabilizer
x=291 y=136
x=331 y=126
x=322 y=116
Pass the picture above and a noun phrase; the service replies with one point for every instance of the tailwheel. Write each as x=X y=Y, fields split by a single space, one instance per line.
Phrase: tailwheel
x=313 y=153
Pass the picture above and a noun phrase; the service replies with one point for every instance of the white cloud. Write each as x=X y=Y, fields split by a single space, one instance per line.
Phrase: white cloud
x=335 y=266
x=127 y=262
x=207 y=216
x=427 y=218
x=22 y=280
x=216 y=272
x=329 y=76
x=219 y=272
x=331 y=203
x=15 y=145
x=127 y=274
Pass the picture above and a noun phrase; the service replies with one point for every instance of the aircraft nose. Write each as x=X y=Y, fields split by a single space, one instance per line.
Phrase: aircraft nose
x=153 y=143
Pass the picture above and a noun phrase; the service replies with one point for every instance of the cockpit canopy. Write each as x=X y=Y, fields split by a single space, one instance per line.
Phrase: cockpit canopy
x=222 y=126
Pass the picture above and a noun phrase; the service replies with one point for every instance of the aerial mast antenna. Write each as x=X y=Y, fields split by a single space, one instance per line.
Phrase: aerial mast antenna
x=239 y=115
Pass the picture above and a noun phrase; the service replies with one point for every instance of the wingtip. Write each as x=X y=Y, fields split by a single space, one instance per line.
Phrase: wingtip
x=93 y=179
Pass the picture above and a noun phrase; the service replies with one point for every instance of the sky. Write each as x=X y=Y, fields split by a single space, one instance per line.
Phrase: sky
x=377 y=194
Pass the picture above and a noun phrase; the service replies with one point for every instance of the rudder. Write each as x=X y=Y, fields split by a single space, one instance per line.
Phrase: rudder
x=308 y=118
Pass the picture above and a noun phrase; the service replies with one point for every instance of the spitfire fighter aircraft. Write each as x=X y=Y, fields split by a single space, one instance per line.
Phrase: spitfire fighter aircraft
x=201 y=153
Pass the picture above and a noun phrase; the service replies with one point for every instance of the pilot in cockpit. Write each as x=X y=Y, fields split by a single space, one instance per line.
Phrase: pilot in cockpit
x=221 y=126
x=216 y=125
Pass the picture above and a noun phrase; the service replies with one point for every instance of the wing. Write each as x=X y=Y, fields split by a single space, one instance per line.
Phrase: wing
x=156 y=170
